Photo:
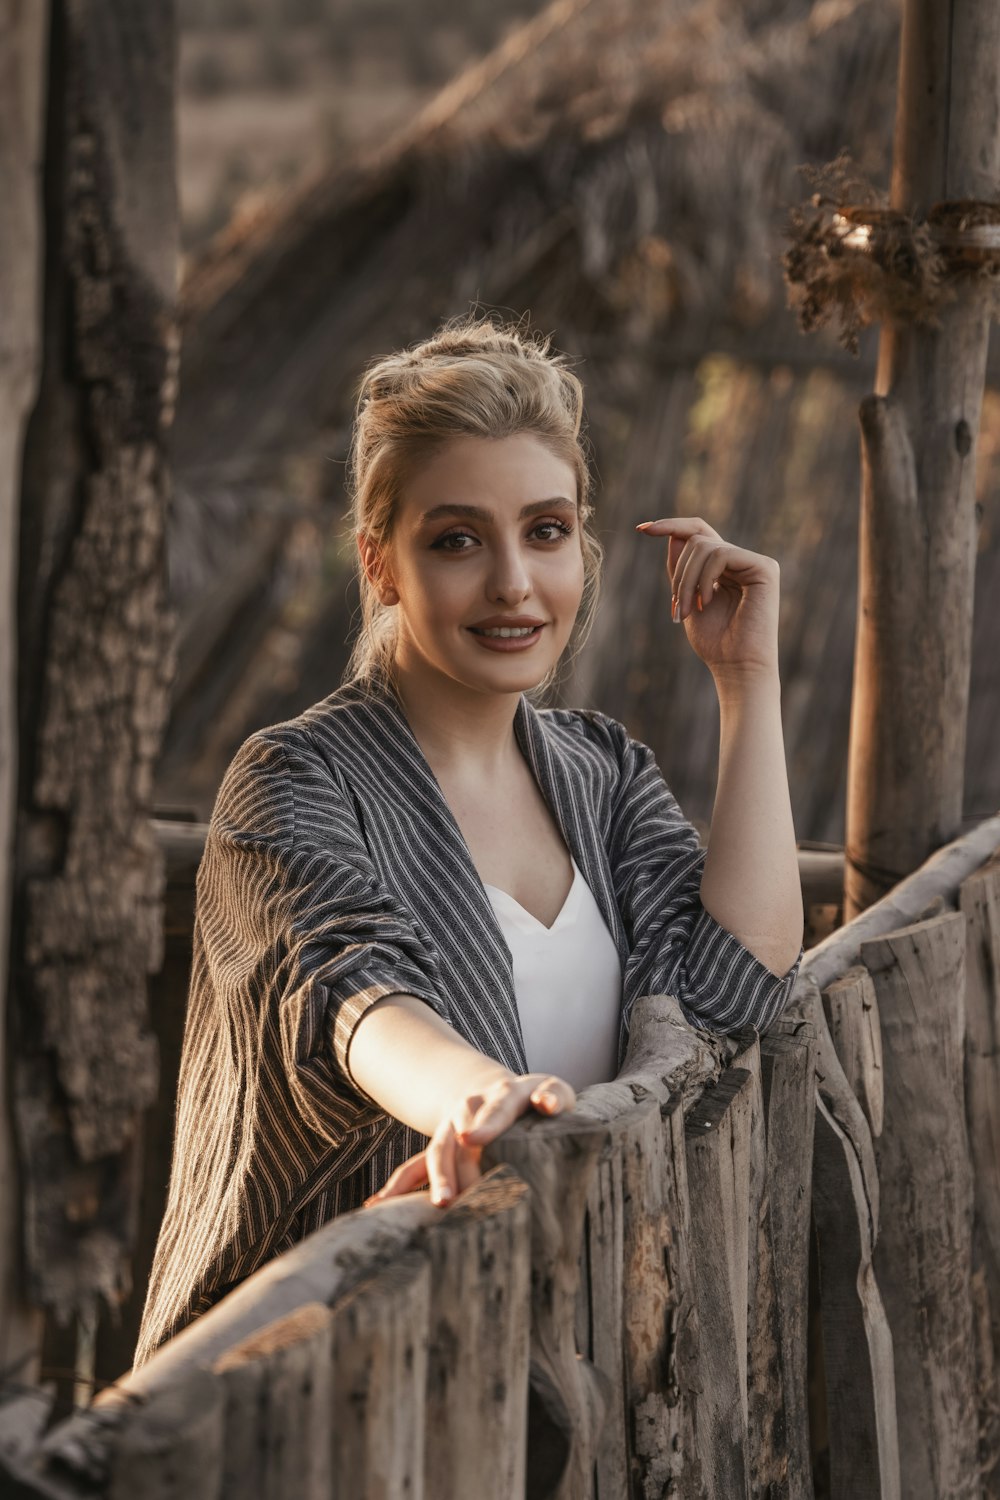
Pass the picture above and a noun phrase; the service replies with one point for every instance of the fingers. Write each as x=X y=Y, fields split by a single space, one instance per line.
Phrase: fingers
x=412 y=1174
x=451 y=1160
x=552 y=1095
x=542 y=1091
x=442 y=1168
x=700 y=565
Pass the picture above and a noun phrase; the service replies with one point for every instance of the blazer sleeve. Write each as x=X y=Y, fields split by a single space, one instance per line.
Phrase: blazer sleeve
x=300 y=935
x=676 y=946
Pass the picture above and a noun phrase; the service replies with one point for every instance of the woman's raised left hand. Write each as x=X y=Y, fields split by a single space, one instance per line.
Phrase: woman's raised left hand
x=726 y=596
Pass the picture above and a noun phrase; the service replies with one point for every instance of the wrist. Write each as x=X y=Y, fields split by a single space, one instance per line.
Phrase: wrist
x=740 y=682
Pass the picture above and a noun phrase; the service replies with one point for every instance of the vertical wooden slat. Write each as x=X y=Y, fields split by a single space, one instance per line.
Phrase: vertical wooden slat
x=767 y=1437
x=788 y=1075
x=278 y=1406
x=600 y=1309
x=852 y=1012
x=923 y=1258
x=718 y=1163
x=666 y=1064
x=857 y=1343
x=477 y=1373
x=378 y=1409
x=557 y=1158
x=170 y=1448
x=979 y=899
x=23 y=87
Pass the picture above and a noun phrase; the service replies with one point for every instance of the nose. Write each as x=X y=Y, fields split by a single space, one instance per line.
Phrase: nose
x=509 y=581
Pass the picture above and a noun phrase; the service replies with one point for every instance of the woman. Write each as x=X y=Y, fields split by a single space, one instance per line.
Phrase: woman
x=425 y=905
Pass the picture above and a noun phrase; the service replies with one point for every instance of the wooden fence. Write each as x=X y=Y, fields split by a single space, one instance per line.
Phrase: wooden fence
x=619 y=1307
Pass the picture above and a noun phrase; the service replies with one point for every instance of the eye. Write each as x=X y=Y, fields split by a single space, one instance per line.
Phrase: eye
x=443 y=543
x=559 y=527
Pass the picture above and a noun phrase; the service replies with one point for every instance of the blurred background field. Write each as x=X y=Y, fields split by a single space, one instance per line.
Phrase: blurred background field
x=619 y=173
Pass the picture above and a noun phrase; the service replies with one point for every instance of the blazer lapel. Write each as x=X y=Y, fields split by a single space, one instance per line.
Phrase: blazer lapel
x=459 y=876
x=564 y=788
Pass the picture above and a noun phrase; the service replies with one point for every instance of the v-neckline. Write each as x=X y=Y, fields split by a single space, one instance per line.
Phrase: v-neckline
x=557 y=788
x=569 y=902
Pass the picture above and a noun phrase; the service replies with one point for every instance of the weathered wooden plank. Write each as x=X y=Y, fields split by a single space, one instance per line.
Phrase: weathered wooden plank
x=979 y=899
x=718 y=1163
x=767 y=1436
x=600 y=1307
x=277 y=1395
x=23 y=89
x=852 y=1013
x=642 y=1225
x=557 y=1158
x=477 y=1371
x=940 y=875
x=321 y=1268
x=378 y=1427
x=788 y=1075
x=923 y=1257
x=857 y=1343
x=167 y=1448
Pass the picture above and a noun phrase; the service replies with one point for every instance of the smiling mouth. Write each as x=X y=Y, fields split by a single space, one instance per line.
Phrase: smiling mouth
x=506 y=637
x=505 y=632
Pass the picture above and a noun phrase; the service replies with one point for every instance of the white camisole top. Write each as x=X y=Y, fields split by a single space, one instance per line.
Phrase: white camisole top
x=567 y=983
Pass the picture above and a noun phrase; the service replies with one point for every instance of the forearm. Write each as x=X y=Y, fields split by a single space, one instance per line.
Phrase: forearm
x=750 y=883
x=414 y=1064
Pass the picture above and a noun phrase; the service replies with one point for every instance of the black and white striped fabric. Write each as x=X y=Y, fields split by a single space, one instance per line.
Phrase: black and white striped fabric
x=334 y=874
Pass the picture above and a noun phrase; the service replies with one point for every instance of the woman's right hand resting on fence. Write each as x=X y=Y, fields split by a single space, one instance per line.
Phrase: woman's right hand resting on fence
x=409 y=1060
x=450 y=1161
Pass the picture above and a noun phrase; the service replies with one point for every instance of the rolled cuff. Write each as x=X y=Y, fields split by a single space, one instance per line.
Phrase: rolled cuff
x=726 y=987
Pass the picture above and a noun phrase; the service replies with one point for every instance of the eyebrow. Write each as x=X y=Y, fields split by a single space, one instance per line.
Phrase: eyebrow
x=478 y=513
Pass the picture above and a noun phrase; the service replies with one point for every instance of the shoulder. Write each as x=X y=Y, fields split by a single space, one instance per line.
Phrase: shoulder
x=594 y=735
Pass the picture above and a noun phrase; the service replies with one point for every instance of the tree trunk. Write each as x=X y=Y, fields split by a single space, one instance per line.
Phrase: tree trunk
x=918 y=437
x=22 y=109
x=94 y=647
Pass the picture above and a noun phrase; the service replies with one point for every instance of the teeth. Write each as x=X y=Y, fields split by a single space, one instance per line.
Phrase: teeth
x=504 y=630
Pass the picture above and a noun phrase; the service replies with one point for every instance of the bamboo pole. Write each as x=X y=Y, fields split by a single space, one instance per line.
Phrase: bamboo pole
x=918 y=437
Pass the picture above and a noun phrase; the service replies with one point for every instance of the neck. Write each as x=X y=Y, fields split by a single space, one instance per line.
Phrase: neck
x=457 y=728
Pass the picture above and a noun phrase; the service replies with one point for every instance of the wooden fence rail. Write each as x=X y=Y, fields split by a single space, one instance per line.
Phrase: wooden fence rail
x=618 y=1309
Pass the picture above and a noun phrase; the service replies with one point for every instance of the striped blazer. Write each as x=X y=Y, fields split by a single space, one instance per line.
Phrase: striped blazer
x=334 y=874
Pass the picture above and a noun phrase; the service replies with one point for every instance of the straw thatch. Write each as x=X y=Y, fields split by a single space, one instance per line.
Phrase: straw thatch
x=621 y=170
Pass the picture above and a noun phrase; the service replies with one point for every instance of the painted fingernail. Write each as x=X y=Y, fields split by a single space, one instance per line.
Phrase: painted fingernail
x=675 y=613
x=641 y=526
x=697 y=599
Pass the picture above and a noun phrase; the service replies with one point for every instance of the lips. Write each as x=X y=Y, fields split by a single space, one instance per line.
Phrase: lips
x=506 y=637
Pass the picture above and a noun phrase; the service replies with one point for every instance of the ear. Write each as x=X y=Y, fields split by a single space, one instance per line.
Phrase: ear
x=375 y=569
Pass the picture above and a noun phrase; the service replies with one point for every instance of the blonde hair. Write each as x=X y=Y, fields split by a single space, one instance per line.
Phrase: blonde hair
x=476 y=377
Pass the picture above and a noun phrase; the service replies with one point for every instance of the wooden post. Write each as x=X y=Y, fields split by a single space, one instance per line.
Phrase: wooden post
x=94 y=647
x=23 y=73
x=277 y=1396
x=380 y=1333
x=918 y=438
x=557 y=1158
x=477 y=1365
x=718 y=1164
x=923 y=1259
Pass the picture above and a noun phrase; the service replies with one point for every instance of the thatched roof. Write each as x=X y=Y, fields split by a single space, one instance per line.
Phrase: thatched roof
x=620 y=170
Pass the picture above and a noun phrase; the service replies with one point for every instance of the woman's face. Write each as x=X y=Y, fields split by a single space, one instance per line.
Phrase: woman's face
x=486 y=539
